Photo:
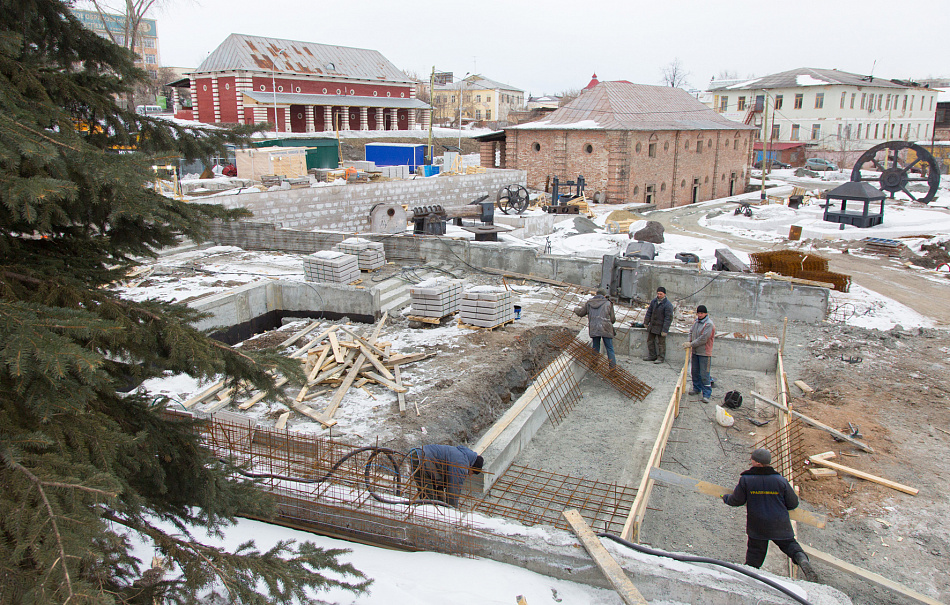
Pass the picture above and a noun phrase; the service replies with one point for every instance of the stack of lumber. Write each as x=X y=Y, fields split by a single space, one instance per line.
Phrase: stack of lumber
x=370 y=255
x=436 y=297
x=486 y=306
x=331 y=267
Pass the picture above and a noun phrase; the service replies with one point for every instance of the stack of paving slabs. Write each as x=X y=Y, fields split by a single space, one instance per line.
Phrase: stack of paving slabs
x=486 y=306
x=436 y=297
x=370 y=254
x=331 y=267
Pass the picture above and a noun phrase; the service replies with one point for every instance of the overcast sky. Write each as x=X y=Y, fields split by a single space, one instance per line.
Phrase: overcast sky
x=549 y=47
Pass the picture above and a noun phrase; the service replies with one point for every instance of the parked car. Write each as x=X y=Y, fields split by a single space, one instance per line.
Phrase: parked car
x=820 y=164
x=775 y=165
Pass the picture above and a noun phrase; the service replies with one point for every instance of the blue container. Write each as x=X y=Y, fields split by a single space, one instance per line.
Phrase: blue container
x=430 y=170
x=396 y=154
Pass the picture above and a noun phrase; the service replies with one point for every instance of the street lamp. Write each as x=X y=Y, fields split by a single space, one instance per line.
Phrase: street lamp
x=273 y=85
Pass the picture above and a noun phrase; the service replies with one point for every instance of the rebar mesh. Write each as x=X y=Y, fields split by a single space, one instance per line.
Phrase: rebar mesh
x=558 y=389
x=535 y=497
x=364 y=492
x=787 y=447
x=619 y=378
x=792 y=263
x=562 y=306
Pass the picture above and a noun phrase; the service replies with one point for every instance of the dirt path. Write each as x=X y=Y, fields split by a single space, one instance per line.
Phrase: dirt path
x=887 y=277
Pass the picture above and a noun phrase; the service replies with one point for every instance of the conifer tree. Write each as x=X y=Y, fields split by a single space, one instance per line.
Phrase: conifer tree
x=85 y=469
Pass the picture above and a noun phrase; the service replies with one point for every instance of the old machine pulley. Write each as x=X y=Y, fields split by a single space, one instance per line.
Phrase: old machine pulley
x=512 y=199
x=900 y=163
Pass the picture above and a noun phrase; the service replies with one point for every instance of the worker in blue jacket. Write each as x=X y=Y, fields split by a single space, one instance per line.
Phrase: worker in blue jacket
x=768 y=497
x=440 y=471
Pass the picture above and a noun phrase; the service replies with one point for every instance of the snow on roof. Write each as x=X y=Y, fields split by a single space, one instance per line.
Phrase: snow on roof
x=808 y=76
x=808 y=80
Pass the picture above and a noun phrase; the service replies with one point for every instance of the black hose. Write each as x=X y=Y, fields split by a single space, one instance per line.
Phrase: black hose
x=390 y=453
x=693 y=559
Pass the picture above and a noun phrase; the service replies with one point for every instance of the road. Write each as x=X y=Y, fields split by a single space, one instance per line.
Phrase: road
x=887 y=277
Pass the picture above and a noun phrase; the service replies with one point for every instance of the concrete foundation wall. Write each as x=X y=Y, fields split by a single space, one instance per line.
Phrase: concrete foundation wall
x=730 y=353
x=347 y=207
x=725 y=294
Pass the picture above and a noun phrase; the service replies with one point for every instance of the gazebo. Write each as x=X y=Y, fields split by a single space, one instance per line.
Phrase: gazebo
x=836 y=207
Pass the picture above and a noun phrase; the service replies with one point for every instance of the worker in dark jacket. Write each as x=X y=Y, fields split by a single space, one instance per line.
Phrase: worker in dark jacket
x=657 y=322
x=768 y=497
x=600 y=323
x=440 y=471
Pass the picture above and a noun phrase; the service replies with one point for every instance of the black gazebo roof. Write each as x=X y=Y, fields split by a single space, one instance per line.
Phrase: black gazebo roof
x=856 y=190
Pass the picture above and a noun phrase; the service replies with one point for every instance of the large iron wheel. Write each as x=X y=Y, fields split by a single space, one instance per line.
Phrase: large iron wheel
x=512 y=198
x=900 y=163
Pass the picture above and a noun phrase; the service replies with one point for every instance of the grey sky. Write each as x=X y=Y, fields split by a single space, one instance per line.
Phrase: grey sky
x=548 y=47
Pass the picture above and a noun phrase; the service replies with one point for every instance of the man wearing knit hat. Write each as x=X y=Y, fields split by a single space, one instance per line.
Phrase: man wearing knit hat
x=657 y=320
x=700 y=342
x=768 y=497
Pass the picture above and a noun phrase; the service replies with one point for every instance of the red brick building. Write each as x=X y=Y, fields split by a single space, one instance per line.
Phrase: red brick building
x=311 y=87
x=632 y=143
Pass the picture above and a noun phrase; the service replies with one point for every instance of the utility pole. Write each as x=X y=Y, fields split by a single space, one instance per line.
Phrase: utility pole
x=766 y=138
x=431 y=106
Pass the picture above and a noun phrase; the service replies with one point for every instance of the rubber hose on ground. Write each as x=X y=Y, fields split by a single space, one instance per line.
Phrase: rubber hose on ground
x=693 y=559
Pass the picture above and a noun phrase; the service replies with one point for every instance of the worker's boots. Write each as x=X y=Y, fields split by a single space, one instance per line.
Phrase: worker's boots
x=801 y=559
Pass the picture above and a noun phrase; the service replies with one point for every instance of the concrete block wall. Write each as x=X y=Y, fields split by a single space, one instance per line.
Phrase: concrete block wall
x=347 y=207
x=728 y=353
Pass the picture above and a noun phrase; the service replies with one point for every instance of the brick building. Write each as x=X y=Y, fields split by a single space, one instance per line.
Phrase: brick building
x=632 y=143
x=117 y=28
x=311 y=87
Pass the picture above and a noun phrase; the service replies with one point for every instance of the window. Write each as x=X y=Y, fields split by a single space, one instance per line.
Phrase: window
x=723 y=103
x=650 y=194
x=699 y=146
x=488 y=114
x=859 y=130
x=478 y=114
x=453 y=99
x=795 y=129
x=847 y=131
x=488 y=98
x=931 y=103
x=778 y=101
x=776 y=131
x=740 y=103
x=151 y=59
x=588 y=148
x=478 y=98
x=735 y=144
x=153 y=74
x=864 y=97
x=880 y=100
x=912 y=102
x=799 y=100
x=900 y=132
x=686 y=145
x=887 y=105
x=651 y=150
x=839 y=131
x=537 y=146
x=876 y=127
x=892 y=131
x=819 y=100
x=844 y=95
x=815 y=132
x=149 y=42
x=871 y=101
x=904 y=107
x=853 y=95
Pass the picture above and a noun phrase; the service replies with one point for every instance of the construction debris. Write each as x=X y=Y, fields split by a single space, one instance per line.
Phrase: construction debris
x=822 y=459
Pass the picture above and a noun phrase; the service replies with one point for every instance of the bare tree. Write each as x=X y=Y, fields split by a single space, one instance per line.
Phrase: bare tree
x=567 y=96
x=728 y=74
x=422 y=85
x=674 y=74
x=133 y=12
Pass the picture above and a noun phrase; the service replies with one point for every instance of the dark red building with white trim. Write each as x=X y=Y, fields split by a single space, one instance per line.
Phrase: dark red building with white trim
x=311 y=87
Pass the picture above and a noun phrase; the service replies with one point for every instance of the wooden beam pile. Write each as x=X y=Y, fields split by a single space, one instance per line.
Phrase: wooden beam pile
x=337 y=360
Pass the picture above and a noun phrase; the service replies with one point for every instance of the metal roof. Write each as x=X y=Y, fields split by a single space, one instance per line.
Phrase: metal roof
x=626 y=106
x=856 y=190
x=806 y=76
x=240 y=52
x=477 y=82
x=293 y=98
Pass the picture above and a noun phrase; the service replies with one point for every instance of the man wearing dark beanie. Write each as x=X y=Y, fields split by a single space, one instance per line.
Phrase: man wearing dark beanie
x=768 y=497
x=700 y=344
x=657 y=321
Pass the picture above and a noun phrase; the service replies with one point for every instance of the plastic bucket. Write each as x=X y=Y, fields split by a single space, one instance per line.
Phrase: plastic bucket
x=517 y=312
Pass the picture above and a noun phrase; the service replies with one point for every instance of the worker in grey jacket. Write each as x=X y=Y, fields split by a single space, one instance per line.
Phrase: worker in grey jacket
x=657 y=320
x=701 y=336
x=600 y=323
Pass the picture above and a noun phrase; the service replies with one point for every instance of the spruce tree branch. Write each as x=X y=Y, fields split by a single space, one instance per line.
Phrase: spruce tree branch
x=40 y=134
x=52 y=517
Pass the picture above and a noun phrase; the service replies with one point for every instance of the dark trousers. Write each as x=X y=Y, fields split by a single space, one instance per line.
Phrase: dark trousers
x=757 y=549
x=656 y=346
x=608 y=344
x=700 y=374
x=429 y=481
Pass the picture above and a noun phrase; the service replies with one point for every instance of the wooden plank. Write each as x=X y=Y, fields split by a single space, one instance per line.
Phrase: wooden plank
x=300 y=334
x=822 y=473
x=395 y=360
x=804 y=387
x=313 y=373
x=260 y=395
x=816 y=424
x=717 y=491
x=303 y=350
x=205 y=393
x=797 y=280
x=389 y=384
x=326 y=418
x=607 y=564
x=866 y=476
x=376 y=363
x=282 y=421
x=400 y=395
x=362 y=341
x=335 y=345
x=870 y=576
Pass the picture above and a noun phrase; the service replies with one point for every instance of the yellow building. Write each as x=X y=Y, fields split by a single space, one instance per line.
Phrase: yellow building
x=478 y=99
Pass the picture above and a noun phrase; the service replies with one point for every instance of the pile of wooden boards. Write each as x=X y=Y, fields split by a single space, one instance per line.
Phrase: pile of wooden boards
x=336 y=360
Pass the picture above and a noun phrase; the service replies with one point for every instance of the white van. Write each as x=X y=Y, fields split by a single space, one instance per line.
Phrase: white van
x=146 y=110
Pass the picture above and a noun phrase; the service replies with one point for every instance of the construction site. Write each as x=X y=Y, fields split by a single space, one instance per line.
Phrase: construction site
x=411 y=336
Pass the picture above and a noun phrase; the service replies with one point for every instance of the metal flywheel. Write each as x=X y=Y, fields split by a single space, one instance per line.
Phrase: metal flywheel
x=512 y=198
x=900 y=163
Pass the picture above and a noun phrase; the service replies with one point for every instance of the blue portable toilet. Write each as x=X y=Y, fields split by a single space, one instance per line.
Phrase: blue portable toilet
x=396 y=154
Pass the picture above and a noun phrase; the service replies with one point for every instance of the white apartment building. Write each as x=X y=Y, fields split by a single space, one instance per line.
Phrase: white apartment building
x=835 y=113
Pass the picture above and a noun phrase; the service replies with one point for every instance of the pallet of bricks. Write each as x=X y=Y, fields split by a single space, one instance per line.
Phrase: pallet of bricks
x=331 y=267
x=434 y=299
x=486 y=307
x=370 y=255
x=791 y=263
